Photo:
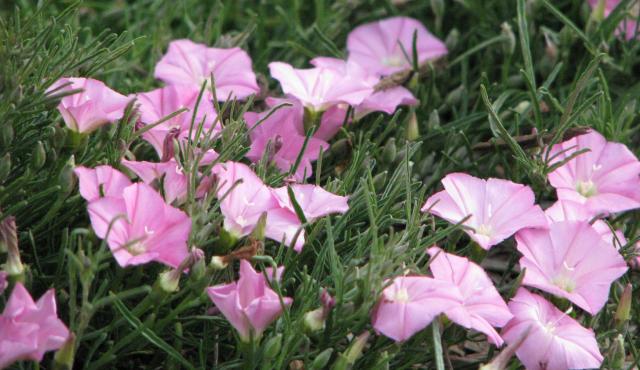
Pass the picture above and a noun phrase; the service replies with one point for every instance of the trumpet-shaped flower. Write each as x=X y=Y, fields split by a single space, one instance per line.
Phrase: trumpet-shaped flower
x=102 y=181
x=28 y=328
x=190 y=63
x=482 y=307
x=572 y=261
x=314 y=201
x=168 y=175
x=245 y=198
x=410 y=303
x=320 y=88
x=249 y=304
x=555 y=340
x=604 y=179
x=157 y=104
x=140 y=227
x=378 y=46
x=496 y=208
x=94 y=106
x=282 y=133
x=566 y=210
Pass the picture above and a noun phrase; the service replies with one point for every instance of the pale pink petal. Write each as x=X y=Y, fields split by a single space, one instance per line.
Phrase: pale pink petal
x=100 y=182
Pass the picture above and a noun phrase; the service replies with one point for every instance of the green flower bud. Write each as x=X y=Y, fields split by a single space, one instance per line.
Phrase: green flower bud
x=413 y=130
x=452 y=39
x=5 y=167
x=67 y=179
x=169 y=280
x=6 y=135
x=390 y=151
x=623 y=312
x=509 y=44
x=314 y=320
x=38 y=156
x=322 y=359
x=272 y=346
x=63 y=359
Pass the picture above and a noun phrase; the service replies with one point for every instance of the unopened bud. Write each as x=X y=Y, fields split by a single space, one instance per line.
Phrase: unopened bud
x=452 y=39
x=67 y=179
x=357 y=347
x=623 y=312
x=169 y=280
x=38 y=156
x=63 y=359
x=259 y=230
x=509 y=43
x=437 y=6
x=327 y=302
x=314 y=320
x=9 y=242
x=273 y=346
x=6 y=135
x=617 y=354
x=389 y=151
x=454 y=97
x=218 y=263
x=5 y=167
x=413 y=131
x=597 y=14
x=322 y=359
x=168 y=145
x=434 y=120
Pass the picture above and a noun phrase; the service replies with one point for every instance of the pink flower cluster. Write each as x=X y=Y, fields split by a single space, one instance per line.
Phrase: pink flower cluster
x=628 y=27
x=563 y=254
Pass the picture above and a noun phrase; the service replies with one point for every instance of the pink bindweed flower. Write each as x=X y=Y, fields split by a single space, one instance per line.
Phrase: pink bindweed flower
x=249 y=304
x=386 y=101
x=604 y=179
x=377 y=46
x=410 y=303
x=482 y=307
x=572 y=261
x=157 y=104
x=497 y=208
x=169 y=176
x=140 y=227
x=28 y=328
x=245 y=198
x=190 y=63
x=555 y=341
x=274 y=275
x=314 y=201
x=282 y=133
x=320 y=88
x=102 y=181
x=95 y=106
x=566 y=210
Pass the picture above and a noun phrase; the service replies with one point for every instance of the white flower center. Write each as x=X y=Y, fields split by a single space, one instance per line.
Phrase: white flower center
x=240 y=220
x=485 y=230
x=136 y=248
x=393 y=61
x=401 y=296
x=564 y=281
x=586 y=188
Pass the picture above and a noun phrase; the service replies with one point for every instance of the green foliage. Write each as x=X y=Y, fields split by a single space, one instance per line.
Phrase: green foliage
x=564 y=71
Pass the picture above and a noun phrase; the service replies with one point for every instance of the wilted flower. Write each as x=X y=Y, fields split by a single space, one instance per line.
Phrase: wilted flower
x=102 y=181
x=320 y=88
x=410 y=303
x=572 y=261
x=190 y=63
x=94 y=106
x=29 y=329
x=482 y=307
x=555 y=341
x=604 y=179
x=376 y=45
x=497 y=208
x=160 y=103
x=249 y=304
x=140 y=227
x=283 y=133
x=314 y=201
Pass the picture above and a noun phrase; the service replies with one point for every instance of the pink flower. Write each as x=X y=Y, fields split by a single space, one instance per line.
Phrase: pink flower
x=627 y=27
x=169 y=176
x=320 y=88
x=190 y=63
x=160 y=103
x=555 y=342
x=245 y=198
x=274 y=275
x=376 y=45
x=95 y=106
x=604 y=179
x=482 y=307
x=283 y=129
x=249 y=304
x=410 y=303
x=102 y=181
x=314 y=201
x=572 y=261
x=498 y=208
x=143 y=227
x=566 y=210
x=29 y=329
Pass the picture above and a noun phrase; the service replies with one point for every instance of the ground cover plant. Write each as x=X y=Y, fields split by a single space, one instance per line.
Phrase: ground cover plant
x=282 y=184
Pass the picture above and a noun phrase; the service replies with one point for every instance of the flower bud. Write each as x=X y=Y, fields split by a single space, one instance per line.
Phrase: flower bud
x=454 y=97
x=218 y=263
x=617 y=354
x=273 y=346
x=357 y=346
x=434 y=120
x=413 y=131
x=6 y=135
x=452 y=39
x=169 y=280
x=38 y=156
x=389 y=151
x=623 y=312
x=322 y=359
x=509 y=44
x=9 y=241
x=67 y=179
x=314 y=320
x=63 y=359
x=437 y=7
x=258 y=231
